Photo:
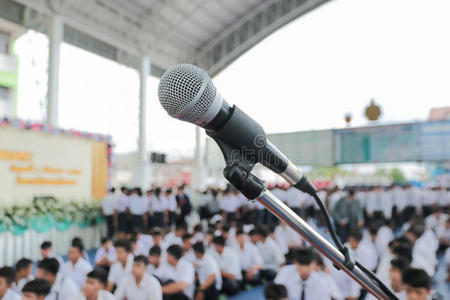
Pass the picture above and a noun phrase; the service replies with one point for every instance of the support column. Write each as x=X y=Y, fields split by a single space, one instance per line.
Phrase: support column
x=55 y=35
x=144 y=72
x=198 y=172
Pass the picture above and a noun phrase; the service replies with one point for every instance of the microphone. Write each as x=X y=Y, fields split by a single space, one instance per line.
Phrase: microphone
x=187 y=93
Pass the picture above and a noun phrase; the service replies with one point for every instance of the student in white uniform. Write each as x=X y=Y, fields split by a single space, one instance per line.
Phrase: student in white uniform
x=287 y=238
x=109 y=208
x=398 y=266
x=139 y=210
x=176 y=237
x=46 y=252
x=170 y=208
x=157 y=264
x=424 y=248
x=76 y=268
x=7 y=277
x=180 y=274
x=250 y=258
x=122 y=266
x=123 y=209
x=229 y=205
x=62 y=287
x=36 y=289
x=94 y=287
x=324 y=272
x=24 y=267
x=106 y=254
x=209 y=276
x=271 y=253
x=418 y=285
x=157 y=205
x=229 y=265
x=301 y=281
x=139 y=285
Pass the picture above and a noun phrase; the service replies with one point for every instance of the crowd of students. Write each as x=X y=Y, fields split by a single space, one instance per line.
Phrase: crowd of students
x=152 y=253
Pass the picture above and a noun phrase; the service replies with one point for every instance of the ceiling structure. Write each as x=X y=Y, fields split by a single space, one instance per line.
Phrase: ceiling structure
x=209 y=33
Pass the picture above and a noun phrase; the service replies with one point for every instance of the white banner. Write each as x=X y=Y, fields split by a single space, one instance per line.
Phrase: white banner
x=36 y=163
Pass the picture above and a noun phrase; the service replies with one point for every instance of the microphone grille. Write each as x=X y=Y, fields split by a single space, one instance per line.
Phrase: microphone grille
x=179 y=90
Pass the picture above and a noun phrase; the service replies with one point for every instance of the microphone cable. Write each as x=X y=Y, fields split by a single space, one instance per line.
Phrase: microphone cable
x=344 y=249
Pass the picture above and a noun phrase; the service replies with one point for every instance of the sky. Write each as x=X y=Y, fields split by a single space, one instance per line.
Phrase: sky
x=307 y=75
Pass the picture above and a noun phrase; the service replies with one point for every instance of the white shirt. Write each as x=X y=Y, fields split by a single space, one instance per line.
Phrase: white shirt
x=148 y=289
x=109 y=204
x=229 y=203
x=102 y=295
x=272 y=254
x=62 y=289
x=294 y=198
x=205 y=199
x=122 y=203
x=285 y=236
x=183 y=271
x=117 y=272
x=315 y=286
x=206 y=267
x=228 y=261
x=10 y=295
x=78 y=271
x=157 y=203
x=138 y=205
x=101 y=252
x=170 y=203
x=436 y=222
x=17 y=287
x=430 y=197
x=399 y=198
x=249 y=256
x=162 y=271
x=384 y=236
x=143 y=244
x=172 y=239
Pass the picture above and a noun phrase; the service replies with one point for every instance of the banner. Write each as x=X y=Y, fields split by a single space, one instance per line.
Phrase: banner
x=36 y=163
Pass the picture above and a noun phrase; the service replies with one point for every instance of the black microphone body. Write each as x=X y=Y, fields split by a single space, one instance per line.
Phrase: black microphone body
x=186 y=92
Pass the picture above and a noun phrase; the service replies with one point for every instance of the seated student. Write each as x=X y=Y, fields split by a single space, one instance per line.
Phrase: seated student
x=77 y=267
x=274 y=291
x=62 y=288
x=106 y=254
x=320 y=267
x=188 y=253
x=301 y=281
x=24 y=267
x=250 y=258
x=46 y=252
x=36 y=289
x=398 y=266
x=417 y=284
x=157 y=265
x=180 y=275
x=228 y=262
x=139 y=285
x=158 y=239
x=122 y=266
x=7 y=276
x=424 y=246
x=144 y=242
x=94 y=288
x=210 y=280
x=271 y=253
x=176 y=237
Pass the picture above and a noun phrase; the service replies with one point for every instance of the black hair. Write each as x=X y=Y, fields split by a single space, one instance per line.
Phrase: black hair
x=23 y=263
x=77 y=242
x=351 y=192
x=274 y=291
x=416 y=278
x=400 y=240
x=157 y=192
x=141 y=259
x=417 y=230
x=155 y=250
x=181 y=225
x=176 y=251
x=39 y=287
x=123 y=244
x=8 y=273
x=319 y=259
x=199 y=247
x=46 y=245
x=240 y=231
x=187 y=236
x=198 y=228
x=400 y=263
x=226 y=228
x=104 y=240
x=219 y=240
x=100 y=274
x=112 y=190
x=303 y=256
x=356 y=233
x=403 y=251
x=50 y=265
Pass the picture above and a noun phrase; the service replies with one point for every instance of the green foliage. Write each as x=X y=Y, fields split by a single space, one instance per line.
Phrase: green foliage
x=47 y=212
x=397 y=176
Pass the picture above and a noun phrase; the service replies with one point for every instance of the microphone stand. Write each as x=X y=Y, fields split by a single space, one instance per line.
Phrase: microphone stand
x=239 y=164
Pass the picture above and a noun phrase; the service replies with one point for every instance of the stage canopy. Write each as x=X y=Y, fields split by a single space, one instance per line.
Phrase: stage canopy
x=209 y=33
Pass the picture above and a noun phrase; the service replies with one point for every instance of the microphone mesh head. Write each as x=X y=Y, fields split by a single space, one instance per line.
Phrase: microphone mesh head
x=179 y=90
